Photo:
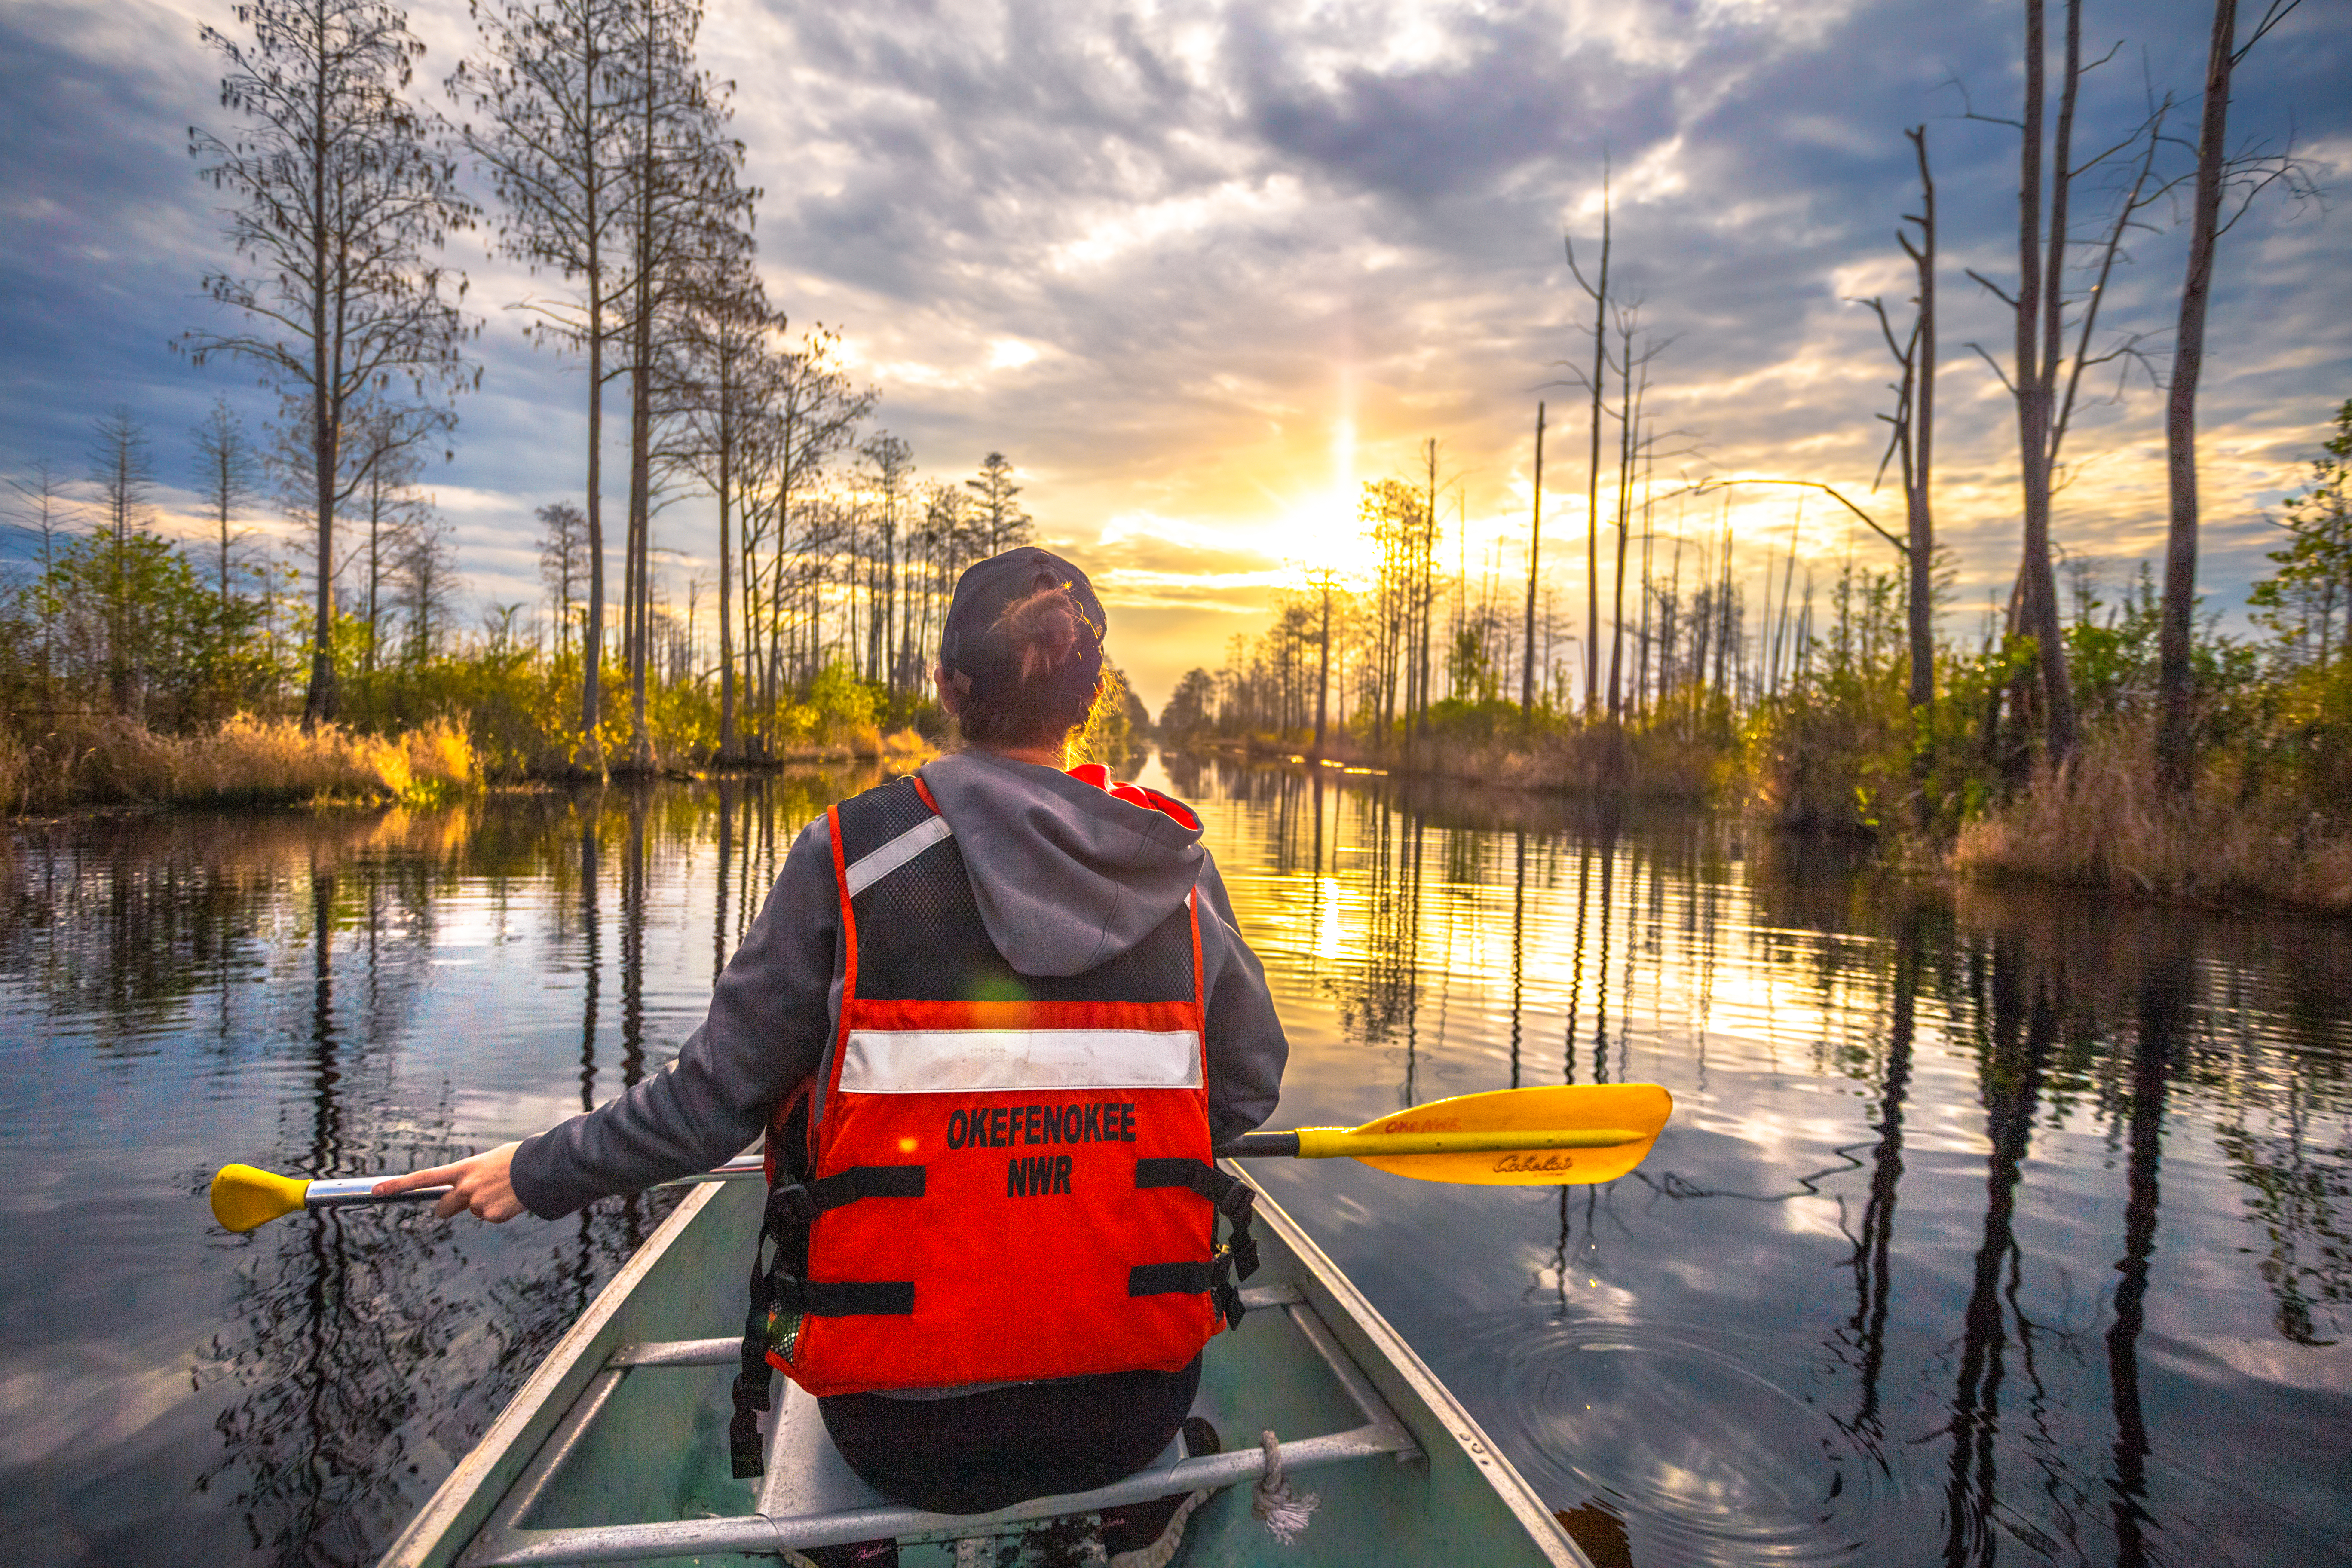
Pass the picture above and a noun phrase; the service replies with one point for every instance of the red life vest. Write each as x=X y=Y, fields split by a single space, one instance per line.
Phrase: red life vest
x=1003 y=1177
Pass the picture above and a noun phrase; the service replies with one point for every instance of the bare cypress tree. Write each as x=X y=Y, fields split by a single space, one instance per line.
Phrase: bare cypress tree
x=123 y=468
x=720 y=372
x=562 y=563
x=1427 y=600
x=343 y=189
x=2044 y=379
x=1535 y=555
x=425 y=574
x=228 y=476
x=685 y=211
x=1595 y=383
x=556 y=104
x=1917 y=436
x=1910 y=443
x=2175 y=764
x=43 y=508
x=387 y=505
x=813 y=411
x=891 y=468
x=2036 y=310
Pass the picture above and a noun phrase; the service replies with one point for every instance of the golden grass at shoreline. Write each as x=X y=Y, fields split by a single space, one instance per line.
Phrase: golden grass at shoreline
x=104 y=760
x=111 y=761
x=2105 y=824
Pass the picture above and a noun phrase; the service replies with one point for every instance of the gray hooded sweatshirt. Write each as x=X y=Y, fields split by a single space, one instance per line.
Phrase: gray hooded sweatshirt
x=1066 y=878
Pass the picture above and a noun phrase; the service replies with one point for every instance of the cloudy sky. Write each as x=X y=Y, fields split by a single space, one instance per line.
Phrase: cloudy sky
x=1200 y=268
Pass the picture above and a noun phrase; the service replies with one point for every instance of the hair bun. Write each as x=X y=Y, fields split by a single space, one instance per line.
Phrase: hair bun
x=1041 y=631
x=1034 y=672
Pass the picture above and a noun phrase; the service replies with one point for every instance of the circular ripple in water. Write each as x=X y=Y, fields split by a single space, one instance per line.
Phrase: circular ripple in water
x=1705 y=1459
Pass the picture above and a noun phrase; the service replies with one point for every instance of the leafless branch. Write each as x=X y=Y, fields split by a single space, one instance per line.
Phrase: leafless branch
x=1969 y=108
x=1992 y=288
x=1725 y=483
x=2276 y=12
x=1981 y=353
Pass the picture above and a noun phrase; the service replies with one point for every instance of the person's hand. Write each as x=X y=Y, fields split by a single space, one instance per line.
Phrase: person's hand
x=483 y=1183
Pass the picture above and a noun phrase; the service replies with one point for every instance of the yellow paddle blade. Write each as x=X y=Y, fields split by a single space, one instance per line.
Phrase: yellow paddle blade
x=245 y=1196
x=1539 y=1137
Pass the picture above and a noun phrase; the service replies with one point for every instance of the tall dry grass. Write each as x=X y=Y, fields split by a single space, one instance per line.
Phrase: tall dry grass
x=2105 y=824
x=109 y=760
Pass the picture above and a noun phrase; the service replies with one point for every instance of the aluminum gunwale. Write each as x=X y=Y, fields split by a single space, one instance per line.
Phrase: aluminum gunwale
x=1428 y=1408
x=466 y=1497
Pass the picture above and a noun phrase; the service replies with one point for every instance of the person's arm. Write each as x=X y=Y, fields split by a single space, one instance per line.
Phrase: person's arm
x=1246 y=1048
x=766 y=1030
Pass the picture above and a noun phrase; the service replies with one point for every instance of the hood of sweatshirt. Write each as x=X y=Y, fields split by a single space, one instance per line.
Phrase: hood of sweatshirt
x=1067 y=876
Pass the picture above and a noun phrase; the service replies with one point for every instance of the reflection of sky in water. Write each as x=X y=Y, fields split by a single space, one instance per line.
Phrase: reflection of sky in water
x=1808 y=1327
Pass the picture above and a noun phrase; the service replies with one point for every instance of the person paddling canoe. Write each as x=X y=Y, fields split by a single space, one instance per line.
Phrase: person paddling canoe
x=993 y=1019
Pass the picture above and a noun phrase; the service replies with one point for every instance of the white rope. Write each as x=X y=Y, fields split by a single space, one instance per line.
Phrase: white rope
x=1282 y=1505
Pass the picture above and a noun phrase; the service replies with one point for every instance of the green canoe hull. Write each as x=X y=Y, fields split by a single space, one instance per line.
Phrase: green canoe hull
x=616 y=1448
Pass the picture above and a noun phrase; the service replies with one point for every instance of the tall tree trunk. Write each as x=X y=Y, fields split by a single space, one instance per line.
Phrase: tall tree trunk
x=641 y=426
x=1535 y=555
x=1624 y=493
x=1428 y=591
x=592 y=635
x=318 y=705
x=224 y=560
x=1592 y=472
x=1323 y=673
x=2033 y=380
x=375 y=569
x=726 y=577
x=1919 y=512
x=2176 y=764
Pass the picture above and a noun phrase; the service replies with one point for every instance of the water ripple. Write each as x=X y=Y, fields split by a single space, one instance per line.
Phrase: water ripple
x=1675 y=1431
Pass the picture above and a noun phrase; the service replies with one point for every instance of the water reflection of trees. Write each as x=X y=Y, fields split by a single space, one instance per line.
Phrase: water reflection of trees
x=116 y=922
x=362 y=1352
x=2080 y=1022
x=2298 y=1190
x=337 y=1339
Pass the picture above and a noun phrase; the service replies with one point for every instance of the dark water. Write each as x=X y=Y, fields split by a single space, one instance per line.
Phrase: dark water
x=2016 y=1231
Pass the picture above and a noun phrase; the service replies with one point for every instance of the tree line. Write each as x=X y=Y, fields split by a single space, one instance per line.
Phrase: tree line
x=594 y=149
x=1666 y=628
x=1738 y=659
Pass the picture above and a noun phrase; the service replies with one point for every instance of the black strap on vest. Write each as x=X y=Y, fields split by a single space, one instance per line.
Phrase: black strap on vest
x=791 y=1208
x=1235 y=1260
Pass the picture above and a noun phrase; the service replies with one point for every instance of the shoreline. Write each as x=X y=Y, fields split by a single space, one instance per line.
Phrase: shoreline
x=2098 y=830
x=105 y=762
x=2095 y=832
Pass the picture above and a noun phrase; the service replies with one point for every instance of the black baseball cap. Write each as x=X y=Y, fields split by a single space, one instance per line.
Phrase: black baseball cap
x=987 y=587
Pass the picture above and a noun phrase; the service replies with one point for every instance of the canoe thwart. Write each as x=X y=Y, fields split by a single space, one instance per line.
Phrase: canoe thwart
x=809 y=1498
x=678 y=1353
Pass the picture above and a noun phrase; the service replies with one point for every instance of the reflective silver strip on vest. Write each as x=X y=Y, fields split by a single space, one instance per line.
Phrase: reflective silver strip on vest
x=948 y=1061
x=875 y=864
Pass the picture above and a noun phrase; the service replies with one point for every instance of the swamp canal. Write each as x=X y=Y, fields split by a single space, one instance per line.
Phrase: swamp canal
x=2010 y=1228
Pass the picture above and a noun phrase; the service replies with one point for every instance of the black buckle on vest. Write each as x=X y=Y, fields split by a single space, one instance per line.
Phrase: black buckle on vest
x=1223 y=1291
x=743 y=1456
x=1237 y=1259
x=795 y=1206
x=791 y=1208
x=790 y=1205
x=750 y=1390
